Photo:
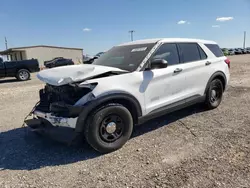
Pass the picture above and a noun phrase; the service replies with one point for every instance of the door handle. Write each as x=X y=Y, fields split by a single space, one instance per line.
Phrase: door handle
x=207 y=63
x=177 y=70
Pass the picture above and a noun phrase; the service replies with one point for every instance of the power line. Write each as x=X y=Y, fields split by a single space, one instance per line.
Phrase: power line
x=131 y=34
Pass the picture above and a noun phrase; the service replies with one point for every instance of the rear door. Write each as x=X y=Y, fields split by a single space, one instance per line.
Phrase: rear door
x=2 y=68
x=196 y=68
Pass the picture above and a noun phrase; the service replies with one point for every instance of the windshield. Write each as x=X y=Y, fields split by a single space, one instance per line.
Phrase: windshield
x=125 y=57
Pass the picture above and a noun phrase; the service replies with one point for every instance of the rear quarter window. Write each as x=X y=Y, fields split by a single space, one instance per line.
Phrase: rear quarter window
x=215 y=49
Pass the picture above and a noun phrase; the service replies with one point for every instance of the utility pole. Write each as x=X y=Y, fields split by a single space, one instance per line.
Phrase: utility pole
x=131 y=34
x=244 y=42
x=6 y=43
x=6 y=46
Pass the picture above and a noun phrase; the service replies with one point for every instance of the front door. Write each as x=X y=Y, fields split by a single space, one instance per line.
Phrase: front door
x=165 y=85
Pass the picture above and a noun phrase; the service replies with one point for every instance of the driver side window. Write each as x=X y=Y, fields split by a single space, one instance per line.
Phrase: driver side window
x=168 y=52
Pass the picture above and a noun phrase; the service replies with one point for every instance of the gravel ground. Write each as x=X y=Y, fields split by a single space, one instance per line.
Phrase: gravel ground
x=188 y=148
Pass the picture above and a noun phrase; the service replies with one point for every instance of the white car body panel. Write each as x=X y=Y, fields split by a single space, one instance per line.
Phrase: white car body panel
x=164 y=87
x=131 y=83
x=197 y=73
x=73 y=73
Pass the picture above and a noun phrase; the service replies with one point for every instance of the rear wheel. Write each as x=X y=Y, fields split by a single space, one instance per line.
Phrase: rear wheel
x=214 y=94
x=23 y=75
x=109 y=128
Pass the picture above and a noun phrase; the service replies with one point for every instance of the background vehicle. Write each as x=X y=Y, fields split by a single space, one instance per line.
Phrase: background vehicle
x=57 y=62
x=90 y=60
x=19 y=69
x=244 y=51
x=248 y=50
x=238 y=51
x=128 y=85
x=231 y=52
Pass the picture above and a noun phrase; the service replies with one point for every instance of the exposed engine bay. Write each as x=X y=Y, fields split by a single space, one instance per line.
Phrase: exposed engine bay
x=60 y=96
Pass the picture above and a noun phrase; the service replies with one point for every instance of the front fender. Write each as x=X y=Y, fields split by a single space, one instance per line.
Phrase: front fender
x=104 y=99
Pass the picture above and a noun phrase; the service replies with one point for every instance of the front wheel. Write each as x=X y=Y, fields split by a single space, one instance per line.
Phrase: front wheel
x=109 y=128
x=23 y=75
x=214 y=94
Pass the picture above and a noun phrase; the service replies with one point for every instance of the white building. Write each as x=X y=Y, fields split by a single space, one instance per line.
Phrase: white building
x=43 y=53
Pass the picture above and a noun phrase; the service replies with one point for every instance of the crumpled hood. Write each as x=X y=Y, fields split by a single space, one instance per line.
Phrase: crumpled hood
x=73 y=73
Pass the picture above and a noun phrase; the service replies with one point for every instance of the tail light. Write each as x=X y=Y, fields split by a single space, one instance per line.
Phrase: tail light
x=227 y=61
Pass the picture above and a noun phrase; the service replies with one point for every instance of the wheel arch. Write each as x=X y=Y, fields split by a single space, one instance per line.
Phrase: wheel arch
x=20 y=68
x=217 y=75
x=125 y=99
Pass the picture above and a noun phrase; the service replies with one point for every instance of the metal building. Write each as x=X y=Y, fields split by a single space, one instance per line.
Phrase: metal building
x=43 y=53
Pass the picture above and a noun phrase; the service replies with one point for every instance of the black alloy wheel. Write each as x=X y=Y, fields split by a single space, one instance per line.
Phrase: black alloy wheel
x=108 y=128
x=111 y=128
x=214 y=94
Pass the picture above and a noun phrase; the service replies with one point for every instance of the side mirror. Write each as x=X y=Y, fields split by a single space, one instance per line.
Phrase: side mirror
x=158 y=64
x=1 y=60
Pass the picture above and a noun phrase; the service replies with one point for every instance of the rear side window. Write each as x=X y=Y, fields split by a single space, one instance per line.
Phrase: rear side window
x=215 y=49
x=189 y=52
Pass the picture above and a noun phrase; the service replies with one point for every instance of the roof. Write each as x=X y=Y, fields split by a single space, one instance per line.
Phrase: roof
x=45 y=46
x=6 y=52
x=146 y=41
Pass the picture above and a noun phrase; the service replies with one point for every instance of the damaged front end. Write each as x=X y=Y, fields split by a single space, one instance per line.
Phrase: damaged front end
x=59 y=106
x=61 y=100
x=66 y=95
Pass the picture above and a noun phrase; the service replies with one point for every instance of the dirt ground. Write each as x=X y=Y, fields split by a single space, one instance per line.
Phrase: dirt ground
x=188 y=148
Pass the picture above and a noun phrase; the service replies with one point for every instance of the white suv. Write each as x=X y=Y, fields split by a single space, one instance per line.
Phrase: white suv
x=129 y=84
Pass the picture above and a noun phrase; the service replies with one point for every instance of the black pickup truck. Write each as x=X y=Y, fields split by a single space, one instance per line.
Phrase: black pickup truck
x=19 y=69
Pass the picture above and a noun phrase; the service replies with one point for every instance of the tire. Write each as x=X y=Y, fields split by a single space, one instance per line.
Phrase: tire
x=106 y=139
x=23 y=75
x=214 y=94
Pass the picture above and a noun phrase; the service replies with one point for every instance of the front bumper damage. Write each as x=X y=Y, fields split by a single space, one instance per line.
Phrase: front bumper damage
x=62 y=134
x=56 y=121
x=56 y=114
x=58 y=128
